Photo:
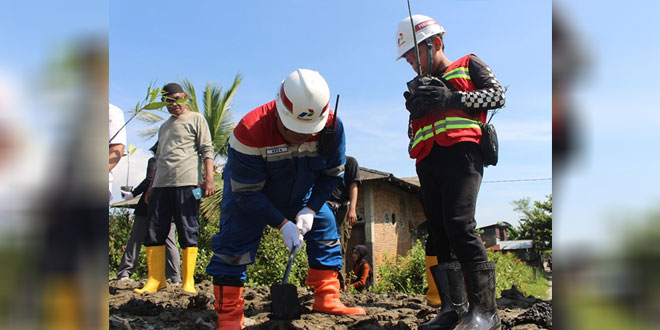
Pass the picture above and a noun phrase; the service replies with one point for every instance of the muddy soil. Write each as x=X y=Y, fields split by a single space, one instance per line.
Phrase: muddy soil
x=171 y=308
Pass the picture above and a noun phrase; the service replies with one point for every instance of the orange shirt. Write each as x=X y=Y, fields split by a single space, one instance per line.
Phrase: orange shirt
x=363 y=269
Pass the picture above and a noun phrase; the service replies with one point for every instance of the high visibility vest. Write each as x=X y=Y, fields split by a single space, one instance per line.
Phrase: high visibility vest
x=451 y=126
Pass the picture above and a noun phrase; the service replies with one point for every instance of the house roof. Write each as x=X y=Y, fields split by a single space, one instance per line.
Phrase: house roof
x=412 y=180
x=499 y=224
x=130 y=203
x=367 y=174
x=516 y=245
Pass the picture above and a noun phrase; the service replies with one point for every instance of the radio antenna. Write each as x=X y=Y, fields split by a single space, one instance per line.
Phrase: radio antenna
x=412 y=26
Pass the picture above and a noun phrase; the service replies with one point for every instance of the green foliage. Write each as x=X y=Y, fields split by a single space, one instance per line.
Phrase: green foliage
x=271 y=261
x=400 y=274
x=639 y=254
x=407 y=274
x=204 y=255
x=536 y=223
x=509 y=270
x=120 y=225
x=268 y=268
x=155 y=105
x=512 y=232
x=215 y=108
x=207 y=228
x=403 y=274
x=209 y=207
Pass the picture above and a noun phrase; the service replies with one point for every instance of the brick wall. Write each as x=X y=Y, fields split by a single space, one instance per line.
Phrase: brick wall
x=396 y=215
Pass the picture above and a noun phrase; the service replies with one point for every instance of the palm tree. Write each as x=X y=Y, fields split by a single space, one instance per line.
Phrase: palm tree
x=216 y=106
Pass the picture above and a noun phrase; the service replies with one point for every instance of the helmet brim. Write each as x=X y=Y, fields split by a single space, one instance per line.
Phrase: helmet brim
x=297 y=125
x=403 y=53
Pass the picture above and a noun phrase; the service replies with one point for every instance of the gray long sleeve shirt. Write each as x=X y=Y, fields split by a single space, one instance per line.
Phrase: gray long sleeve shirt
x=183 y=142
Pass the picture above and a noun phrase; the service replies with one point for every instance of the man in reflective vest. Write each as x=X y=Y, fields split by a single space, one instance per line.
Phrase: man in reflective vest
x=445 y=116
x=277 y=175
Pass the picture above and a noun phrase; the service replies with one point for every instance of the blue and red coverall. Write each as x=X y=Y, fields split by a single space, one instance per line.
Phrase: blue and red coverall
x=267 y=180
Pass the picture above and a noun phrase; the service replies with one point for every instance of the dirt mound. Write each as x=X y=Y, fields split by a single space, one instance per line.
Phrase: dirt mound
x=171 y=308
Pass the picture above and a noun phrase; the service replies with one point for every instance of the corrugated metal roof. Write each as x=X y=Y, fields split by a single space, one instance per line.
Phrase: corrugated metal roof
x=131 y=203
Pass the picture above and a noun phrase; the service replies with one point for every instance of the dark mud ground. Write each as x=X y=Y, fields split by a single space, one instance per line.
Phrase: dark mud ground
x=171 y=308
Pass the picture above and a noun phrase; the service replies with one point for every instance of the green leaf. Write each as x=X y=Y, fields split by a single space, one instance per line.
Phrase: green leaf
x=153 y=93
x=149 y=117
x=148 y=133
x=155 y=105
x=131 y=149
x=181 y=101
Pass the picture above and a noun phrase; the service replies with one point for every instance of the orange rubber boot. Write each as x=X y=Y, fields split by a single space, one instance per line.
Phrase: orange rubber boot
x=229 y=307
x=326 y=293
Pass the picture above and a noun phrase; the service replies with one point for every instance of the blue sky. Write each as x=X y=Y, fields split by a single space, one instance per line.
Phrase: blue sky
x=352 y=44
x=612 y=182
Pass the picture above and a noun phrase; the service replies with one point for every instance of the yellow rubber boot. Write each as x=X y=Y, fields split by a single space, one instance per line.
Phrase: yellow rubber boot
x=156 y=270
x=62 y=305
x=189 y=259
x=432 y=296
x=104 y=316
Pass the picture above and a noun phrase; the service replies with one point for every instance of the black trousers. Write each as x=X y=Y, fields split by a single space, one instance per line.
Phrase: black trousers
x=173 y=202
x=450 y=178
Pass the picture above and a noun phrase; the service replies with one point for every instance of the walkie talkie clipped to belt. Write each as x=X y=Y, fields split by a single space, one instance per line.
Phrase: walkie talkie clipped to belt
x=327 y=135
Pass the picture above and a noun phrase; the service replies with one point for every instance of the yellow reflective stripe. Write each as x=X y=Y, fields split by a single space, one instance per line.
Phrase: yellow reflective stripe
x=443 y=125
x=461 y=126
x=461 y=119
x=455 y=122
x=464 y=76
x=460 y=68
x=460 y=72
x=422 y=134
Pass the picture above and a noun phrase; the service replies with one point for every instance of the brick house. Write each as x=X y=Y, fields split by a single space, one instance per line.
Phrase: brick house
x=496 y=238
x=493 y=234
x=389 y=214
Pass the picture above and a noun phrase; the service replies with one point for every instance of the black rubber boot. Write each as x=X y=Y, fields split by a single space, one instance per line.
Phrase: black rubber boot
x=448 y=277
x=482 y=314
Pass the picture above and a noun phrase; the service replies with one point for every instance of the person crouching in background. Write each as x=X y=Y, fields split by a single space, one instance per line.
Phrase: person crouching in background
x=362 y=269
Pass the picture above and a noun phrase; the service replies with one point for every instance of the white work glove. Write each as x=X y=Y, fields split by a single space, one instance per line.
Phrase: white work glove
x=126 y=194
x=305 y=220
x=291 y=236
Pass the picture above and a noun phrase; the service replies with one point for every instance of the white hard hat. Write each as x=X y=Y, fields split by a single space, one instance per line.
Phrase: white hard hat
x=302 y=101
x=425 y=27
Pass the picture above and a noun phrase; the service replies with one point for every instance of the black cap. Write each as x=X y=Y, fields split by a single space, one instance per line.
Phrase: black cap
x=172 y=88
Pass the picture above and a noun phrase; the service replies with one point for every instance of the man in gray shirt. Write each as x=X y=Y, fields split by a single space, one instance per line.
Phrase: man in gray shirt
x=183 y=141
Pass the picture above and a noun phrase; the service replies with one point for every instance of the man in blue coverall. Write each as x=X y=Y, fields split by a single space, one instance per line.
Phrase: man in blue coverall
x=276 y=175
